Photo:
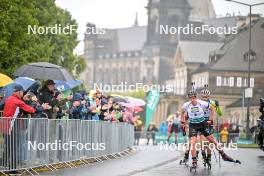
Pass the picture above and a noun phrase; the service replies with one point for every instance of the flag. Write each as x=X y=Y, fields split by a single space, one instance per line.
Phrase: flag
x=152 y=101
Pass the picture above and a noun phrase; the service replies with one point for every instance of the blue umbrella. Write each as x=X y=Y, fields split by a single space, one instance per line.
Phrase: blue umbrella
x=63 y=85
x=7 y=90
x=25 y=82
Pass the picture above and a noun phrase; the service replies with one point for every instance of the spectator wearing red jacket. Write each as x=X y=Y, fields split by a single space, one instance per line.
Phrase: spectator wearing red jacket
x=11 y=104
x=15 y=101
x=9 y=127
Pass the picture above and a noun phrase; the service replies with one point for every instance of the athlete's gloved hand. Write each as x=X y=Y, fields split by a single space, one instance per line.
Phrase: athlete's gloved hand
x=184 y=131
x=216 y=103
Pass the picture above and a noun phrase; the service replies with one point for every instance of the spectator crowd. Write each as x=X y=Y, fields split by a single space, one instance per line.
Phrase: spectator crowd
x=47 y=102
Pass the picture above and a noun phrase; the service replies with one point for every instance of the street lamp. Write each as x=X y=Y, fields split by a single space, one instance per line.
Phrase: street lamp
x=248 y=55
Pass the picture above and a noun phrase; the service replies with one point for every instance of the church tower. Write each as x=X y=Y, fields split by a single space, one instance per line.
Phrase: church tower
x=160 y=48
x=162 y=13
x=202 y=9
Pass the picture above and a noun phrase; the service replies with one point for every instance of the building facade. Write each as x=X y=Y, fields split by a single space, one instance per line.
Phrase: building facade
x=141 y=54
x=142 y=51
x=225 y=70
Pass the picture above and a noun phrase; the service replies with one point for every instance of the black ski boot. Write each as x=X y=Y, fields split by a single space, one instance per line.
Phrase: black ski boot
x=194 y=164
x=176 y=142
x=168 y=141
x=185 y=159
x=204 y=158
x=208 y=161
x=197 y=154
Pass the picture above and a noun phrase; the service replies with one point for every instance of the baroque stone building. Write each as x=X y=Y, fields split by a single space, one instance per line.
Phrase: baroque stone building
x=223 y=66
x=227 y=76
x=140 y=53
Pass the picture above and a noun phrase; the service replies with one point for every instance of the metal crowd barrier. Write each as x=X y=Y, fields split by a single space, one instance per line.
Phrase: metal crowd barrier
x=26 y=143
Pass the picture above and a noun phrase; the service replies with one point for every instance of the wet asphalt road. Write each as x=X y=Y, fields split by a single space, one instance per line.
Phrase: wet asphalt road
x=152 y=161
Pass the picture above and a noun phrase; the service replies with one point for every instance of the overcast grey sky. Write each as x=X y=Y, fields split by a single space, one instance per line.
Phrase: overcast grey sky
x=121 y=13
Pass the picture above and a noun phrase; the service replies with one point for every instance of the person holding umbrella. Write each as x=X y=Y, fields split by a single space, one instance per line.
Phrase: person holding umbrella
x=47 y=95
x=15 y=101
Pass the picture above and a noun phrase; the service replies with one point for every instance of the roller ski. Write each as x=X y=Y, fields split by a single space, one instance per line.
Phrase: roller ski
x=193 y=167
x=207 y=163
x=227 y=158
x=184 y=161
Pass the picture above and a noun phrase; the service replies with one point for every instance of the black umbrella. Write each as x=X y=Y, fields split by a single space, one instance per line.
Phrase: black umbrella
x=119 y=100
x=43 y=71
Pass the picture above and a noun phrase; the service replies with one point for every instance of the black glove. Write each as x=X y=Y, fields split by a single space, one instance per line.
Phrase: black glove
x=216 y=103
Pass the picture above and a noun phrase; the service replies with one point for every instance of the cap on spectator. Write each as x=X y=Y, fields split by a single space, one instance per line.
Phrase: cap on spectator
x=92 y=92
x=77 y=97
x=83 y=93
x=17 y=87
x=49 y=82
x=57 y=93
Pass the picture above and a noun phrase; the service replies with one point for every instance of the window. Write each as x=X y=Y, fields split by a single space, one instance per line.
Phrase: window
x=218 y=81
x=239 y=82
x=245 y=82
x=231 y=81
x=225 y=81
x=182 y=86
x=206 y=80
x=177 y=86
x=252 y=82
x=195 y=82
x=203 y=81
x=199 y=82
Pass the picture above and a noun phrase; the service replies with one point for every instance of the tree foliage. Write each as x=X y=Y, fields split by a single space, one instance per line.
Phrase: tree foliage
x=18 y=47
